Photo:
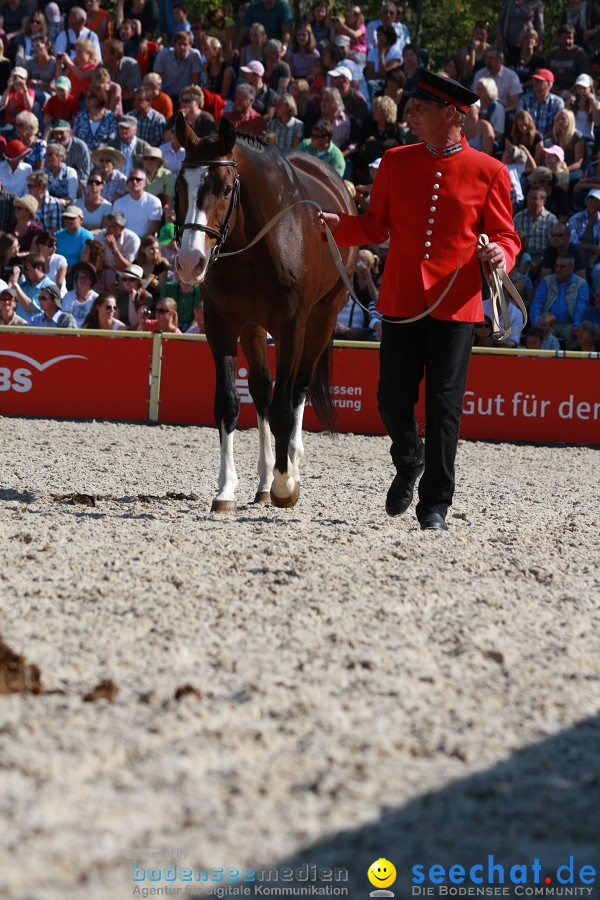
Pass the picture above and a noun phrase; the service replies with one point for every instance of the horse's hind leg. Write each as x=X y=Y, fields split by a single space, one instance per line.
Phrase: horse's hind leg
x=260 y=383
x=284 y=490
x=316 y=338
x=296 y=446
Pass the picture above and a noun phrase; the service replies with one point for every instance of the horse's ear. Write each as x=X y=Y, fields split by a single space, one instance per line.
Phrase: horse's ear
x=226 y=136
x=186 y=135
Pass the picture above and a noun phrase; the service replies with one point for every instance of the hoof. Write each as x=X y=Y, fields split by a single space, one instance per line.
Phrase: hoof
x=262 y=498
x=286 y=502
x=224 y=506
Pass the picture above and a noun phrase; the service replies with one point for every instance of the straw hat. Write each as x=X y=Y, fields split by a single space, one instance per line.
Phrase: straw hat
x=117 y=157
x=154 y=153
x=27 y=202
x=133 y=271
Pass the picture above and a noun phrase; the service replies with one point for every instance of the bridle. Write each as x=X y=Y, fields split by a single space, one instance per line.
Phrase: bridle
x=219 y=236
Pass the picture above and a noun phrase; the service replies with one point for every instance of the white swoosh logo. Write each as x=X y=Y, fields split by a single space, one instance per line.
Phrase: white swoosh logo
x=38 y=365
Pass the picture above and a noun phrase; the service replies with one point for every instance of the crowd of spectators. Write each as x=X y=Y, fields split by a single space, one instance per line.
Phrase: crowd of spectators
x=89 y=156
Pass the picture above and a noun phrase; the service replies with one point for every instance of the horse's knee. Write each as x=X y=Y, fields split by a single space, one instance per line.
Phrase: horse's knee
x=261 y=391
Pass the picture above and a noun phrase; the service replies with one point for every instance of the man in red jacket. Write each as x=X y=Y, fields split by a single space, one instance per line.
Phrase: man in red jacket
x=431 y=200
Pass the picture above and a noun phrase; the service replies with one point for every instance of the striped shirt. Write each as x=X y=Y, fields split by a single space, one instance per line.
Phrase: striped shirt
x=536 y=231
x=49 y=214
x=542 y=112
x=287 y=134
x=151 y=128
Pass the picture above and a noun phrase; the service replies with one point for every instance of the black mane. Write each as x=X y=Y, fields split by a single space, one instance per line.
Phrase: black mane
x=254 y=140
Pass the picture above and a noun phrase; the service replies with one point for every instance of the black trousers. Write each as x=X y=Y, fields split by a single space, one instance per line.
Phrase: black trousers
x=441 y=351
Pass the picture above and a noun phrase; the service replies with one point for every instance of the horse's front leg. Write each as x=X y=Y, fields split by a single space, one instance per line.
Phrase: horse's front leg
x=285 y=421
x=222 y=335
x=227 y=407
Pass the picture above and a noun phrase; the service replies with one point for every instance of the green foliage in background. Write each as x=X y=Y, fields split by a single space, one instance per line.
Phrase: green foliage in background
x=442 y=26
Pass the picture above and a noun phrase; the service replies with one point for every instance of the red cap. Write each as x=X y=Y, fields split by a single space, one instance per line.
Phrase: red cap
x=544 y=75
x=15 y=149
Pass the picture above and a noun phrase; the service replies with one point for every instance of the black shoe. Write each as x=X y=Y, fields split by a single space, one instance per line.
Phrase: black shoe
x=433 y=521
x=400 y=494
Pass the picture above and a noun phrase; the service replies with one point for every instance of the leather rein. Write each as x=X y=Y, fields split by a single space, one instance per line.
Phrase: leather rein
x=219 y=236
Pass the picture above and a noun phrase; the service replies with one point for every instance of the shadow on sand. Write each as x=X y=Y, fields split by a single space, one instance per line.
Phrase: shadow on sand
x=543 y=803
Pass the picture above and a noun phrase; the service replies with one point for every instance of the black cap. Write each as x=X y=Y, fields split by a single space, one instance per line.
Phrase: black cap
x=437 y=87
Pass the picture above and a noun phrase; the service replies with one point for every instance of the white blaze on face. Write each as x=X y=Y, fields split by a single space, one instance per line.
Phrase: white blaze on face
x=193 y=255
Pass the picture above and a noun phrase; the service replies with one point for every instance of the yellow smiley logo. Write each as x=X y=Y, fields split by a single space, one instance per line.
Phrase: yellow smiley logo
x=382 y=873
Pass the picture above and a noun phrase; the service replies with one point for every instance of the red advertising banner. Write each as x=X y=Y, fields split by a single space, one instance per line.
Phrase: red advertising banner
x=508 y=397
x=74 y=376
x=520 y=398
x=532 y=399
x=187 y=387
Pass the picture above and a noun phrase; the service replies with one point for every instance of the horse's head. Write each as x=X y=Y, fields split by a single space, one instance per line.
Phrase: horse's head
x=206 y=195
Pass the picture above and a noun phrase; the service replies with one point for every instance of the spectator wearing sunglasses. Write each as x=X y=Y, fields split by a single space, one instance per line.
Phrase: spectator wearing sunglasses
x=52 y=315
x=390 y=14
x=94 y=206
x=103 y=314
x=36 y=27
x=166 y=317
x=141 y=209
x=320 y=144
x=560 y=245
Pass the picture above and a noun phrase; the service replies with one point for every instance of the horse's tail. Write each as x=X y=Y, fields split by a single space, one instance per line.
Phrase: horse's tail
x=320 y=393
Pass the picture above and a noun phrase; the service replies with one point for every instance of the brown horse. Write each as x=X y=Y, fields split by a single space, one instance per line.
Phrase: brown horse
x=286 y=284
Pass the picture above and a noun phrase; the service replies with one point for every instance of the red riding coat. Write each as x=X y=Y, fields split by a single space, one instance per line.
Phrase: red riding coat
x=432 y=204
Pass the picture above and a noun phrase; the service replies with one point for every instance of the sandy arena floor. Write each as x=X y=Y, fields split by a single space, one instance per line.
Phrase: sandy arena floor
x=321 y=686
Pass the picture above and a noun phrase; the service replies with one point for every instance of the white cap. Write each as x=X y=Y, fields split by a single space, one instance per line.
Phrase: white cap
x=341 y=72
x=585 y=80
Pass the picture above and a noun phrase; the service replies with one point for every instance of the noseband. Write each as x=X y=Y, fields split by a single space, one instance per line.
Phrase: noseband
x=219 y=236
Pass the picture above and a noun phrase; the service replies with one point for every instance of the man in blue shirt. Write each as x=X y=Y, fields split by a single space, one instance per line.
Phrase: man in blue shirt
x=52 y=315
x=28 y=288
x=563 y=294
x=71 y=239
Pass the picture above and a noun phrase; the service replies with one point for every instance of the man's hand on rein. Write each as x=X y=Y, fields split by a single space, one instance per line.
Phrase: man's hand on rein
x=493 y=255
x=332 y=220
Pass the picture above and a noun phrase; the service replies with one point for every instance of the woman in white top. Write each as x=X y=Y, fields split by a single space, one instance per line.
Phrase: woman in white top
x=45 y=244
x=79 y=301
x=585 y=106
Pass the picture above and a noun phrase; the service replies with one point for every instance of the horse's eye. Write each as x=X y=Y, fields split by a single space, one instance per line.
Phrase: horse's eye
x=227 y=190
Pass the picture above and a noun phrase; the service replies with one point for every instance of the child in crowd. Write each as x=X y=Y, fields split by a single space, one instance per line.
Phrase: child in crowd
x=534 y=339
x=546 y=324
x=197 y=326
x=180 y=18
x=63 y=105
